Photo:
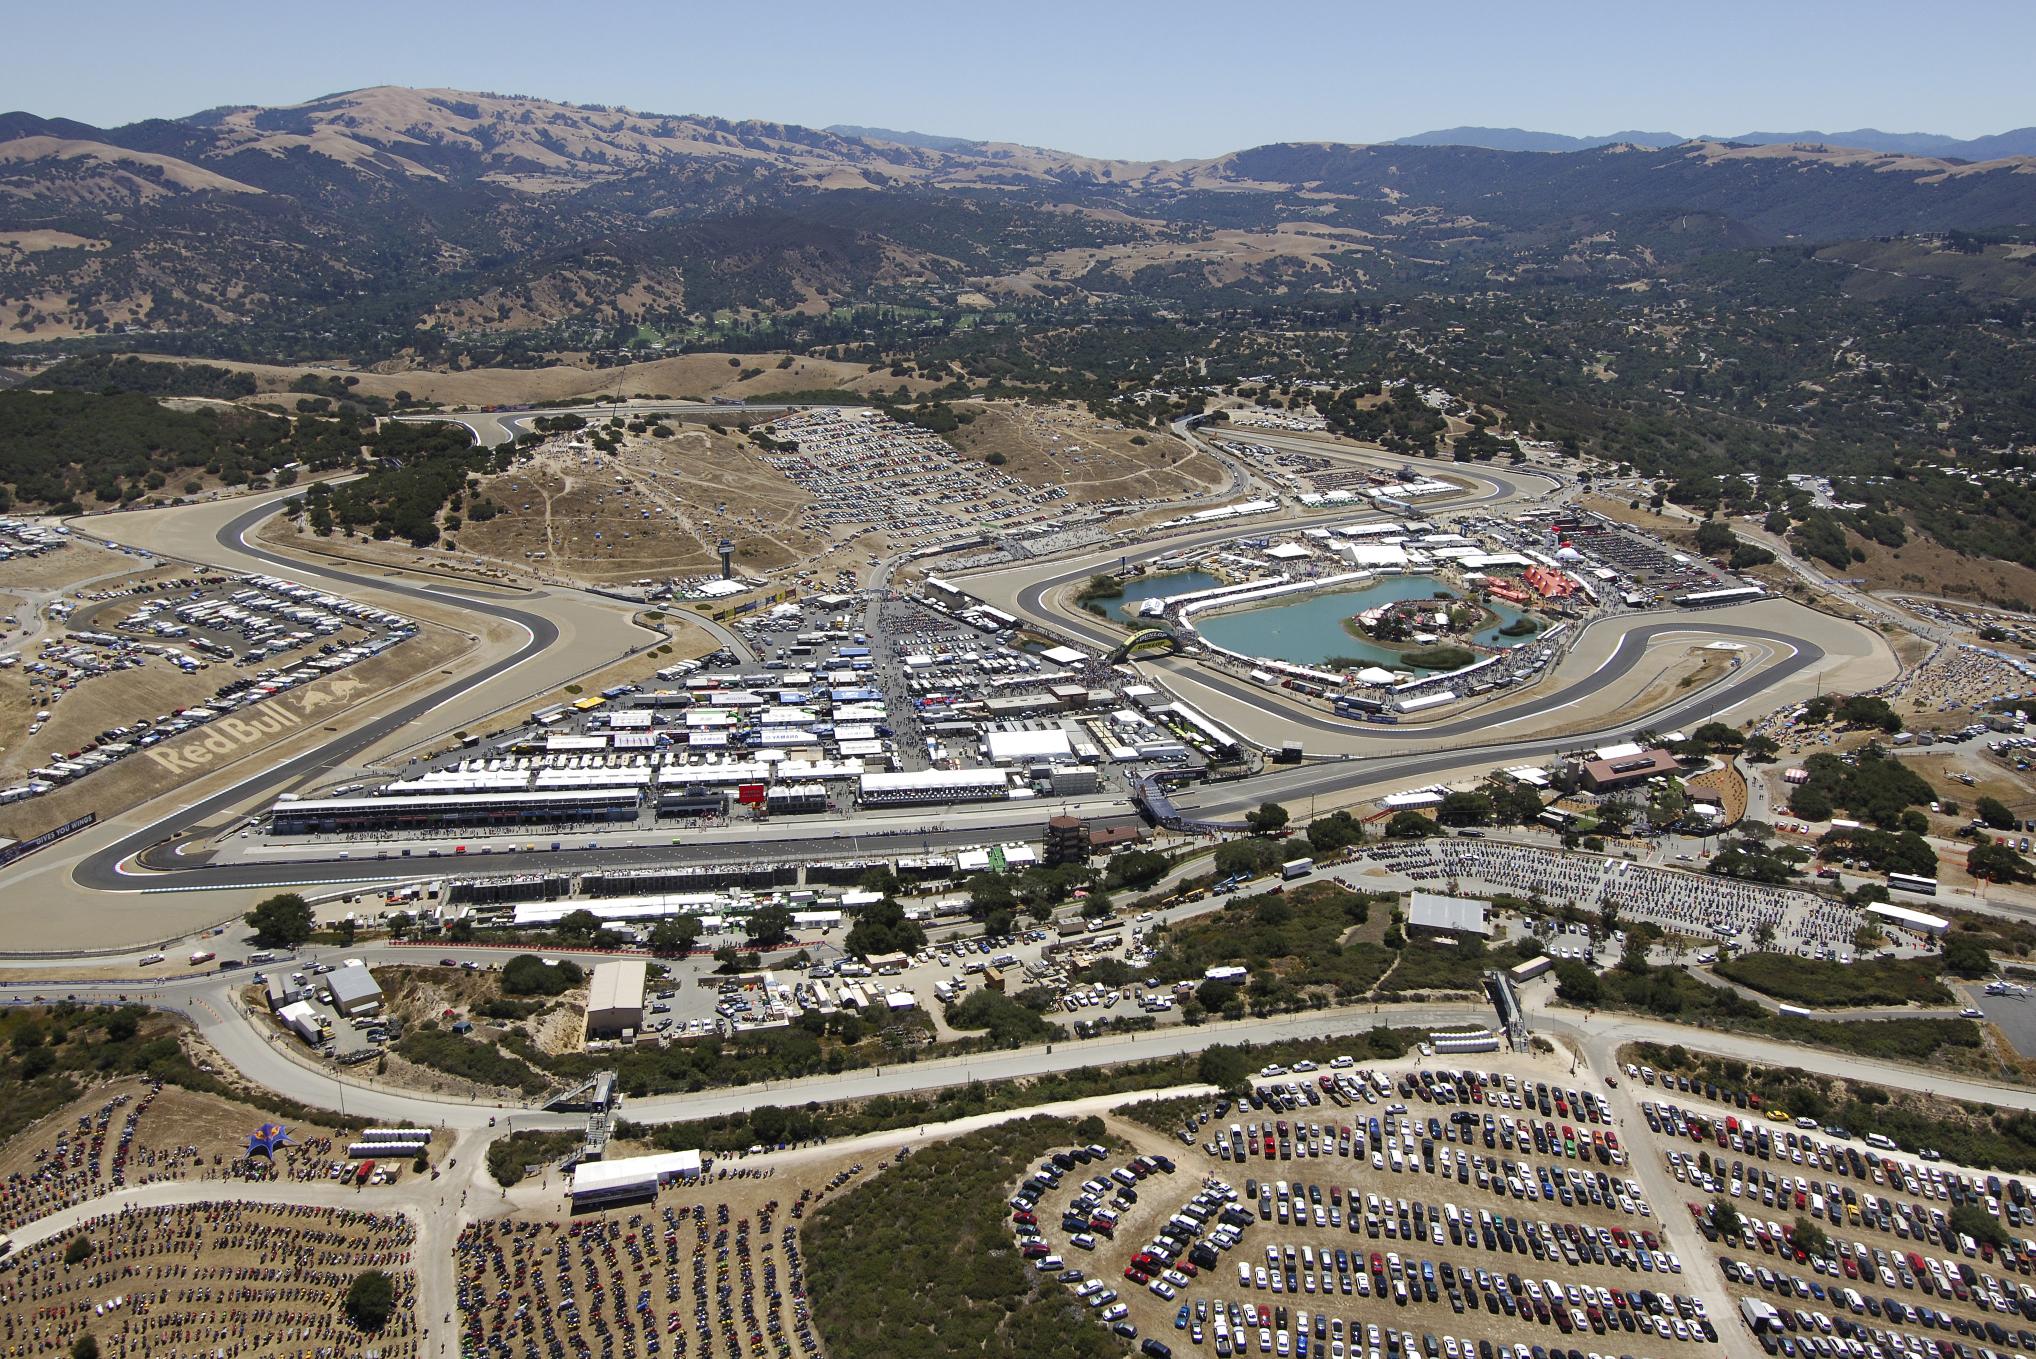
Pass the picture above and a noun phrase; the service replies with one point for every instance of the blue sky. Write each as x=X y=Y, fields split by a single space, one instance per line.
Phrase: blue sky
x=1134 y=80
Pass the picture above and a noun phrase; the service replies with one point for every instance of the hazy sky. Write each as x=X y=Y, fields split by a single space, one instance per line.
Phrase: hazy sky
x=1141 y=80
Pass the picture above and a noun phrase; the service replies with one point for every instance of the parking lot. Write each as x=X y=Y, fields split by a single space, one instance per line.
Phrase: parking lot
x=1847 y=1237
x=1348 y=1212
x=137 y=659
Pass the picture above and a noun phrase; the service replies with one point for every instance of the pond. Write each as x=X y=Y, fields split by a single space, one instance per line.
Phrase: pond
x=1309 y=630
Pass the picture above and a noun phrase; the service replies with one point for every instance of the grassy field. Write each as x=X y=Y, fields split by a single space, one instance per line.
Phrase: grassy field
x=1833 y=986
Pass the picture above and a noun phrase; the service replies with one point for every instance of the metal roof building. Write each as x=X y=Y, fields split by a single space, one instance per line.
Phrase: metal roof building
x=354 y=988
x=631 y=1177
x=1447 y=915
x=615 y=1001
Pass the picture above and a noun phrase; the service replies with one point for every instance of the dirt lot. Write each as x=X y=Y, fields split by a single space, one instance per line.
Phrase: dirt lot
x=65 y=568
x=1847 y=1226
x=262 y=1280
x=74 y=1154
x=1058 y=445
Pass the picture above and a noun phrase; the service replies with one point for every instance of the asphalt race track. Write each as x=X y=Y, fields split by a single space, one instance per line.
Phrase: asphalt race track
x=101 y=871
x=1451 y=743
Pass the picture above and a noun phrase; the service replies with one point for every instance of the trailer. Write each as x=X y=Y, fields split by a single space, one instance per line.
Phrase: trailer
x=1296 y=868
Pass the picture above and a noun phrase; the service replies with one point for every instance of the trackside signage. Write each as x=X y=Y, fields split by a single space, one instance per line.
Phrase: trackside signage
x=223 y=738
x=47 y=838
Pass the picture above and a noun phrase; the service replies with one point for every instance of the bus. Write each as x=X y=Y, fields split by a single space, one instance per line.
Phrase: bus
x=1912 y=882
x=1792 y=1012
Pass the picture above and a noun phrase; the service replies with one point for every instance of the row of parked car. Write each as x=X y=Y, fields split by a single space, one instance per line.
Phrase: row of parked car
x=1793 y=1330
x=2007 y=1200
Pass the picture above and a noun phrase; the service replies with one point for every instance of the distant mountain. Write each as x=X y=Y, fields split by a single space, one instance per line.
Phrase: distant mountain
x=2019 y=142
x=1519 y=139
x=444 y=222
x=921 y=139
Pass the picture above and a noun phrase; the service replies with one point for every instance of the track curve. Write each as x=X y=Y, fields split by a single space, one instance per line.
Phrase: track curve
x=101 y=870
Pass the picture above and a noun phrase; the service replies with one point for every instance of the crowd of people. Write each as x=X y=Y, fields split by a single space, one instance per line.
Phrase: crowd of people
x=1742 y=913
x=696 y=1280
x=1958 y=678
x=87 y=1156
x=218 y=1279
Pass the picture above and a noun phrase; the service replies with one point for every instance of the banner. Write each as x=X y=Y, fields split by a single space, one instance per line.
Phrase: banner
x=49 y=837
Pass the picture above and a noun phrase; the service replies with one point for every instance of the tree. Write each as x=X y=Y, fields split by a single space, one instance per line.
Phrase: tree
x=1409 y=824
x=370 y=1300
x=78 y=1250
x=1810 y=803
x=768 y=1124
x=1269 y=818
x=769 y=926
x=674 y=935
x=1717 y=736
x=1097 y=905
x=1969 y=1219
x=1865 y=710
x=582 y=925
x=1998 y=863
x=1576 y=983
x=1967 y=956
x=1994 y=814
x=1223 y=1066
x=1465 y=809
x=1135 y=869
x=1724 y=1217
x=1089 y=1129
x=1214 y=994
x=1809 y=1238
x=281 y=921
x=85 y=1347
x=988 y=893
x=1250 y=857
x=881 y=927
x=1338 y=830
x=399 y=923
x=529 y=975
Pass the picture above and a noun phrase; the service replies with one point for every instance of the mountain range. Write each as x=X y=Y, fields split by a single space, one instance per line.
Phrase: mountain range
x=409 y=221
x=2020 y=141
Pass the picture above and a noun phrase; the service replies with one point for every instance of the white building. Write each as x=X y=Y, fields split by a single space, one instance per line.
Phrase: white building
x=615 y=1001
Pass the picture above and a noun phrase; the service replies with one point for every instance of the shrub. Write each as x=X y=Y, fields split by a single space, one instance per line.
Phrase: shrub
x=529 y=975
x=370 y=1299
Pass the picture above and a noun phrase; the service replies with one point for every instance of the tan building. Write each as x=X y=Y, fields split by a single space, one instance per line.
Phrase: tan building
x=615 y=1001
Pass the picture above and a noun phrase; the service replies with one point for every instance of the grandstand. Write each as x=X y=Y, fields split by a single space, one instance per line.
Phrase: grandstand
x=314 y=816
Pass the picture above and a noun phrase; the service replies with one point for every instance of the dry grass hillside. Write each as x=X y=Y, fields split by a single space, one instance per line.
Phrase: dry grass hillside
x=1065 y=446
x=683 y=375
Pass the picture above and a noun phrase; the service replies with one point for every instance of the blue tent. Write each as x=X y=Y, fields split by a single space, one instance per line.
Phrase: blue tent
x=266 y=1139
